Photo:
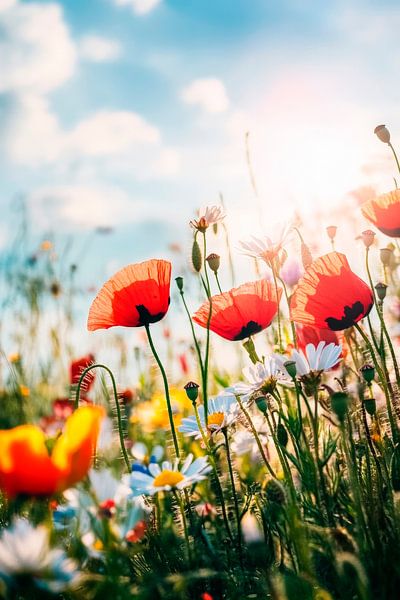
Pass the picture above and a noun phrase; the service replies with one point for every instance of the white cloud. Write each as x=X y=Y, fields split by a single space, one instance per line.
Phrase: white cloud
x=36 y=49
x=210 y=94
x=96 y=48
x=139 y=7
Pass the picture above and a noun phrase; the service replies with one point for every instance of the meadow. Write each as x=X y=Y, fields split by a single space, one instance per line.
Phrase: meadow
x=274 y=476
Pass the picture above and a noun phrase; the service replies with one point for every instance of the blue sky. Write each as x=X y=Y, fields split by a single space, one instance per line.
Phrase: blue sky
x=133 y=113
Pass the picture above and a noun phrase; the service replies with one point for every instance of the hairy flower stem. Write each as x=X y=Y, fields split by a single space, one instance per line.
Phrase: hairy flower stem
x=382 y=378
x=214 y=467
x=293 y=328
x=196 y=343
x=218 y=283
x=207 y=351
x=395 y=156
x=379 y=310
x=117 y=406
x=235 y=498
x=166 y=389
x=279 y=310
x=256 y=437
x=184 y=523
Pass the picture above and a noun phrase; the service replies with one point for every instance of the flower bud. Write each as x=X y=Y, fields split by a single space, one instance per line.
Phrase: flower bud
x=380 y=289
x=368 y=237
x=383 y=133
x=291 y=368
x=306 y=256
x=262 y=404
x=213 y=262
x=275 y=492
x=179 y=283
x=192 y=390
x=282 y=435
x=368 y=372
x=386 y=256
x=196 y=256
x=331 y=231
x=370 y=406
x=340 y=404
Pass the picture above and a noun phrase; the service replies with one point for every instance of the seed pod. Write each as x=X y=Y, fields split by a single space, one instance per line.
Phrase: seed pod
x=196 y=256
x=380 y=289
x=262 y=404
x=368 y=372
x=213 y=262
x=331 y=231
x=282 y=435
x=192 y=390
x=370 y=406
x=368 y=237
x=179 y=283
x=383 y=133
x=340 y=404
x=291 y=368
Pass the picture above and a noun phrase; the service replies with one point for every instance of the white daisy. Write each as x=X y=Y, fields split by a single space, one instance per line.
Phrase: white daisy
x=315 y=359
x=208 y=215
x=25 y=550
x=265 y=247
x=261 y=377
x=169 y=476
x=223 y=410
x=243 y=441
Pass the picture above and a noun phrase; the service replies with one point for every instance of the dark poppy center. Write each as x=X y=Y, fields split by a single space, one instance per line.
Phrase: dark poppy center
x=248 y=330
x=351 y=315
x=145 y=317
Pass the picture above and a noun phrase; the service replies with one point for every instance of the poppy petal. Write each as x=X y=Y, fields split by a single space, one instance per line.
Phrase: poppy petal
x=330 y=295
x=384 y=213
x=242 y=311
x=135 y=296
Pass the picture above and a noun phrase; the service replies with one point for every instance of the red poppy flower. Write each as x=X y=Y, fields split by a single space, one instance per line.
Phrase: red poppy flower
x=384 y=212
x=135 y=296
x=242 y=311
x=76 y=369
x=330 y=295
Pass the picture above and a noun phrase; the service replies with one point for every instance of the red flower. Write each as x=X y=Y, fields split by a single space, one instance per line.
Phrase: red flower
x=384 y=212
x=242 y=311
x=135 y=296
x=76 y=369
x=330 y=295
x=311 y=335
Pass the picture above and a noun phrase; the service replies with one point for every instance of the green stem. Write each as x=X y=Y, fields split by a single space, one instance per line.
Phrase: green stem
x=279 y=310
x=218 y=283
x=166 y=388
x=117 y=406
x=256 y=437
x=395 y=156
x=184 y=522
x=235 y=498
x=196 y=343
x=207 y=351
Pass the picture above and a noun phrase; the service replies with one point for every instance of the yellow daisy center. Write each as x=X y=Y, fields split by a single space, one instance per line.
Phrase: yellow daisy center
x=168 y=478
x=216 y=419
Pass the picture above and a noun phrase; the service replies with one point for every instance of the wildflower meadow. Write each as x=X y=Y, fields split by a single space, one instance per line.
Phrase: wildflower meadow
x=255 y=454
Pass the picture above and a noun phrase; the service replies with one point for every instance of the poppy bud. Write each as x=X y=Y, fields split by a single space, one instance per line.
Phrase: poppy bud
x=331 y=231
x=368 y=237
x=179 y=283
x=262 y=404
x=306 y=256
x=368 y=372
x=340 y=404
x=196 y=256
x=386 y=256
x=275 y=491
x=291 y=368
x=192 y=390
x=282 y=435
x=213 y=262
x=383 y=133
x=370 y=406
x=381 y=291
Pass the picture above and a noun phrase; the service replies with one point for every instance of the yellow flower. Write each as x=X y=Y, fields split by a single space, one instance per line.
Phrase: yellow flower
x=14 y=357
x=153 y=414
x=46 y=245
x=24 y=391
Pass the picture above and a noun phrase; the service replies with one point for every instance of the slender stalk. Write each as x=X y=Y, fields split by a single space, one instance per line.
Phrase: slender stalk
x=395 y=156
x=196 y=343
x=288 y=304
x=256 y=437
x=235 y=498
x=184 y=522
x=117 y=406
x=207 y=351
x=166 y=388
x=218 y=283
x=279 y=310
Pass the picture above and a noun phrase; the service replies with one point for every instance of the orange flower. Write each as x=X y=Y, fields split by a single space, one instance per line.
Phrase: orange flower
x=384 y=212
x=330 y=295
x=135 y=296
x=26 y=466
x=242 y=311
